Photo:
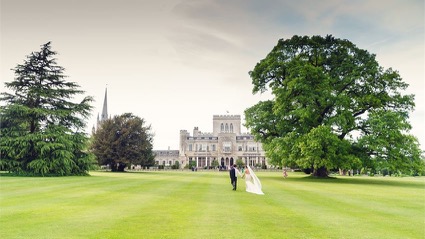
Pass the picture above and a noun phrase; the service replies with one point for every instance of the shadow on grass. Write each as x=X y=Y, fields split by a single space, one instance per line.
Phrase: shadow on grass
x=23 y=175
x=11 y=174
x=356 y=180
x=7 y=174
x=162 y=173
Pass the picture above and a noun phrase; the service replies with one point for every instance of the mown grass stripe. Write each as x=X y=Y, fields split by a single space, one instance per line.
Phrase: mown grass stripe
x=185 y=204
x=334 y=208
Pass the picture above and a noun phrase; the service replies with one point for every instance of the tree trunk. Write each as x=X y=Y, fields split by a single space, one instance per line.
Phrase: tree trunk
x=117 y=167
x=121 y=167
x=320 y=172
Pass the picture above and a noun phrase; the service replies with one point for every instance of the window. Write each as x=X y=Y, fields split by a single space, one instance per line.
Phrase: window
x=227 y=128
x=203 y=147
x=252 y=147
x=222 y=127
x=190 y=147
x=231 y=128
x=227 y=146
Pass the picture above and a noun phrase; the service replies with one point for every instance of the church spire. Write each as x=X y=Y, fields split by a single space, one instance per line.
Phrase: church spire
x=104 y=115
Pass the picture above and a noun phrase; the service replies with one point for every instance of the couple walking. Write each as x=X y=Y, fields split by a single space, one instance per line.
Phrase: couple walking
x=252 y=183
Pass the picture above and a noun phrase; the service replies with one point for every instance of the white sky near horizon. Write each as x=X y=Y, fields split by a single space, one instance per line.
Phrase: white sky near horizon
x=176 y=63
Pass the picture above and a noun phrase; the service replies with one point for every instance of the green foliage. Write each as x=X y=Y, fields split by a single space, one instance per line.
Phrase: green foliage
x=123 y=140
x=42 y=129
x=192 y=164
x=176 y=165
x=333 y=107
x=240 y=163
x=215 y=163
x=391 y=149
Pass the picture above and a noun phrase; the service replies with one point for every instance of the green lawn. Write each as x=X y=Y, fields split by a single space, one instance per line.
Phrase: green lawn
x=202 y=205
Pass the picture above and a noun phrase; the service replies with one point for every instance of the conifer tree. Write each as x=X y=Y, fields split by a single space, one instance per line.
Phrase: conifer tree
x=42 y=130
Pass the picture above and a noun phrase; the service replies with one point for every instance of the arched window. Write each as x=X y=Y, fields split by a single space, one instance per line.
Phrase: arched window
x=231 y=128
x=227 y=127
x=222 y=127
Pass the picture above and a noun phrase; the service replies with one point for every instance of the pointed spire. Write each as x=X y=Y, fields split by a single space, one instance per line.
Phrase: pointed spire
x=104 y=115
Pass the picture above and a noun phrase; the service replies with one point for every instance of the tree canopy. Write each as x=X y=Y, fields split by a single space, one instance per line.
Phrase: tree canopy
x=123 y=141
x=334 y=107
x=42 y=130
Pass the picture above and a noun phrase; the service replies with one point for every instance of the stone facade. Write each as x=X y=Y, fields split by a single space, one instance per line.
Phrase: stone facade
x=226 y=144
x=166 y=157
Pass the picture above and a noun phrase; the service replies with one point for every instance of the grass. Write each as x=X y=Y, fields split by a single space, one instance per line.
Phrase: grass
x=185 y=204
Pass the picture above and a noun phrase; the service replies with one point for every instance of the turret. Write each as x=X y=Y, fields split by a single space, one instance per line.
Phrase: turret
x=196 y=132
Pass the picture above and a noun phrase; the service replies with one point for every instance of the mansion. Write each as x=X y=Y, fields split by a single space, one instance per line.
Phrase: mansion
x=225 y=144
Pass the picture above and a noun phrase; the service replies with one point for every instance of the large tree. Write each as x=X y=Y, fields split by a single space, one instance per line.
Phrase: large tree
x=334 y=107
x=42 y=130
x=123 y=141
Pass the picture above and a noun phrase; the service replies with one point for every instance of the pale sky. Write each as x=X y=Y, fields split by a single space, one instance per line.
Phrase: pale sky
x=176 y=63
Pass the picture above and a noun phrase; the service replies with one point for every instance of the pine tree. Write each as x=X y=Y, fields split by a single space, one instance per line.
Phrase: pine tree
x=42 y=130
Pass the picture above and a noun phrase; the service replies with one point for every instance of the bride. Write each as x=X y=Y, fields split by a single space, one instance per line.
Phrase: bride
x=253 y=184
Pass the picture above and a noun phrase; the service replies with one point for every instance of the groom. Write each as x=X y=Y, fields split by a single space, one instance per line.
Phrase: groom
x=233 y=176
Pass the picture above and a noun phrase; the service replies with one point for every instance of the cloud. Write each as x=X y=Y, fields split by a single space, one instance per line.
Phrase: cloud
x=184 y=60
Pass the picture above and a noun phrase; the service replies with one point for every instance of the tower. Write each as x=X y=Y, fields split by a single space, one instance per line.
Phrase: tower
x=104 y=115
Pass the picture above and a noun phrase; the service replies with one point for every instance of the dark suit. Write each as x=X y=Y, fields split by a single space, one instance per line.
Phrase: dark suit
x=233 y=178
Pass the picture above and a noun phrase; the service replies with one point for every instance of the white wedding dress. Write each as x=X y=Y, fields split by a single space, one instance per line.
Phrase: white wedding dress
x=253 y=184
